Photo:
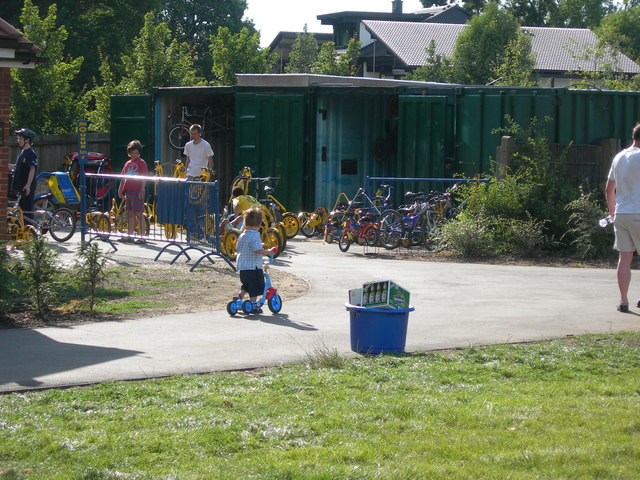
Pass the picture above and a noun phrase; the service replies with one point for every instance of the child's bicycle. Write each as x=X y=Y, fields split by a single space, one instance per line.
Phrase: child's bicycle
x=269 y=296
x=21 y=229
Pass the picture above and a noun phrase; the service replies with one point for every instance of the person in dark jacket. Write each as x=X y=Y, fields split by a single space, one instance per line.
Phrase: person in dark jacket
x=24 y=178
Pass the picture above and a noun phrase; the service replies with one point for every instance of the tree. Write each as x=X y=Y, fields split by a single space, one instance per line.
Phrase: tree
x=580 y=13
x=97 y=101
x=480 y=47
x=157 y=60
x=239 y=53
x=518 y=64
x=304 y=53
x=605 y=71
x=620 y=30
x=437 y=68
x=329 y=62
x=41 y=98
x=95 y=28
x=532 y=13
x=194 y=21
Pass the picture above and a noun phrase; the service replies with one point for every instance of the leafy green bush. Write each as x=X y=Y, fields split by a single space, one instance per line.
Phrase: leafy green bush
x=40 y=272
x=523 y=208
x=468 y=236
x=589 y=239
x=525 y=238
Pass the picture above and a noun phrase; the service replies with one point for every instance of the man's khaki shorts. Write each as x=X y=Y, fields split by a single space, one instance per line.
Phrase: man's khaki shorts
x=627 y=229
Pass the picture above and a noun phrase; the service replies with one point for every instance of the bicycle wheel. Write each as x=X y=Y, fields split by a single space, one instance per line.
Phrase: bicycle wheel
x=333 y=227
x=417 y=233
x=179 y=136
x=430 y=228
x=104 y=223
x=230 y=241
x=391 y=229
x=344 y=242
x=272 y=238
x=291 y=224
x=41 y=206
x=304 y=219
x=370 y=234
x=63 y=225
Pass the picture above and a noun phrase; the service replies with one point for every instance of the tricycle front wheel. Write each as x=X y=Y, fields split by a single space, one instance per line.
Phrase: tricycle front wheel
x=275 y=303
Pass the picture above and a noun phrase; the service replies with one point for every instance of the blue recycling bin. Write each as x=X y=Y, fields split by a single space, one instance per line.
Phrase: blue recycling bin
x=378 y=330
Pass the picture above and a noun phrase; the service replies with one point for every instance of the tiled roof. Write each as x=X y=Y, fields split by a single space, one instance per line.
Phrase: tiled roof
x=25 y=50
x=555 y=47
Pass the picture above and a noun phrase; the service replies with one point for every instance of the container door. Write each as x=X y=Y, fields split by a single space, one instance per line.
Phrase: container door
x=270 y=140
x=421 y=139
x=130 y=119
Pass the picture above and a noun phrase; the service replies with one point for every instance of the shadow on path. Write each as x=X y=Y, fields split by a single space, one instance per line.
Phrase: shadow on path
x=26 y=355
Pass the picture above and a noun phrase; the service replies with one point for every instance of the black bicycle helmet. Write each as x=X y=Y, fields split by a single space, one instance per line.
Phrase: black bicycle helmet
x=26 y=133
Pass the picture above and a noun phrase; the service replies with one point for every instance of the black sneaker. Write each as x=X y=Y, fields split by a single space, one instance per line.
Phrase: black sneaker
x=623 y=307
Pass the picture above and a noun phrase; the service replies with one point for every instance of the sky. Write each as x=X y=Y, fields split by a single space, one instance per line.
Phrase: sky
x=273 y=16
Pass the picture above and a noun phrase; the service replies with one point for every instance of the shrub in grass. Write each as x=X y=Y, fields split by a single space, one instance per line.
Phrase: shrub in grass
x=468 y=236
x=89 y=270
x=40 y=273
x=589 y=239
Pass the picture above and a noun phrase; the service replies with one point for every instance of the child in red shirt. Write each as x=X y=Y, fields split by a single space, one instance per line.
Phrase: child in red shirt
x=133 y=191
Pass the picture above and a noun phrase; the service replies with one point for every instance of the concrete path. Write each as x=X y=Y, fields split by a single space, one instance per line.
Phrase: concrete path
x=456 y=304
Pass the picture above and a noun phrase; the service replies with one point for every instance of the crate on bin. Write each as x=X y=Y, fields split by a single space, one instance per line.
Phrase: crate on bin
x=63 y=189
x=384 y=294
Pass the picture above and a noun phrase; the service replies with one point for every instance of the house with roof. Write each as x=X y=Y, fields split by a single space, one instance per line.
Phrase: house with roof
x=16 y=51
x=347 y=25
x=398 y=48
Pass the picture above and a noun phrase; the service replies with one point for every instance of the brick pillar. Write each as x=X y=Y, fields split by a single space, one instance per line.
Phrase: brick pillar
x=5 y=85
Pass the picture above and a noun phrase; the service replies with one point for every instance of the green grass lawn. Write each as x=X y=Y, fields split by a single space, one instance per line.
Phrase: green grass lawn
x=565 y=409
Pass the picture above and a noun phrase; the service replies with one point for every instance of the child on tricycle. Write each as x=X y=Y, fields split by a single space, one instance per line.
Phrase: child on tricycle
x=254 y=274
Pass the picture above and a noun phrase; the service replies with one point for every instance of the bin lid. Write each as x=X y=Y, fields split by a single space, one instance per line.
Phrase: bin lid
x=359 y=308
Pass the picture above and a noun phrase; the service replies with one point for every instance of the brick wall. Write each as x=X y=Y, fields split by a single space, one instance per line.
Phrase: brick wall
x=5 y=83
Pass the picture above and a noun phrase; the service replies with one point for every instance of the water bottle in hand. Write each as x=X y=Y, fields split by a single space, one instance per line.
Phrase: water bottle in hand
x=605 y=221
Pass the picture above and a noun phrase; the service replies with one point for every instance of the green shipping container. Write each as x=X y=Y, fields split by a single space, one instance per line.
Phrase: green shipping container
x=270 y=140
x=130 y=119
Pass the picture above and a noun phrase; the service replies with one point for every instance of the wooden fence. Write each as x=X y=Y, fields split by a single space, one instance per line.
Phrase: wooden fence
x=51 y=149
x=586 y=164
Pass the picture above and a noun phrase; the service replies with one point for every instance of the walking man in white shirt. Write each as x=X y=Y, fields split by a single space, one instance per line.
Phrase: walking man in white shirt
x=199 y=153
x=623 y=202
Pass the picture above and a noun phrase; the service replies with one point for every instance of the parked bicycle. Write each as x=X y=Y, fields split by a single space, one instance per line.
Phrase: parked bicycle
x=361 y=202
x=178 y=124
x=21 y=228
x=359 y=227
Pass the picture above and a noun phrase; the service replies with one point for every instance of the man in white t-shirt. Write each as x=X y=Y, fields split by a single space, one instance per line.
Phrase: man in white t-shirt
x=623 y=202
x=199 y=153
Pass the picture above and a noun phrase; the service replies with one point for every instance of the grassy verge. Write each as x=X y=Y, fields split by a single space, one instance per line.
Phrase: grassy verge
x=565 y=409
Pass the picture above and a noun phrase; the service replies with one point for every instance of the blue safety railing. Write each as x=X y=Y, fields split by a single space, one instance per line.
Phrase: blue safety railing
x=422 y=184
x=178 y=213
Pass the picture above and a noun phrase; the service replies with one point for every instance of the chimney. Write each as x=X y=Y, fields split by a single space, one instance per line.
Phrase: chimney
x=396 y=6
